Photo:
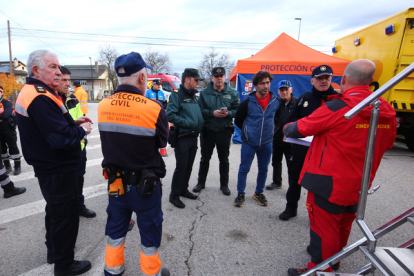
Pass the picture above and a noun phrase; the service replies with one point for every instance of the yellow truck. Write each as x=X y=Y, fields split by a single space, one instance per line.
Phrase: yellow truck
x=389 y=43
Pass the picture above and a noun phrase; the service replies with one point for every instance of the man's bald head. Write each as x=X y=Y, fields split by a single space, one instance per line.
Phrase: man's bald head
x=358 y=72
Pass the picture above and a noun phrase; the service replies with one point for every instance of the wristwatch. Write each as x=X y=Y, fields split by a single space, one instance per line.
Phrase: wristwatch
x=86 y=131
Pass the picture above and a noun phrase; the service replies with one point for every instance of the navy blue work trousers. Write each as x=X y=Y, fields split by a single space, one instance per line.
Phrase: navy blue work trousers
x=62 y=216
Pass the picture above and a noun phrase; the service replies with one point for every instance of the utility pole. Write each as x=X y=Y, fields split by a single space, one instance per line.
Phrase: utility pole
x=11 y=64
x=93 y=96
x=300 y=21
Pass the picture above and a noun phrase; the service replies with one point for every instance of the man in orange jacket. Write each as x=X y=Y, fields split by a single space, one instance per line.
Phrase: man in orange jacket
x=132 y=129
x=82 y=96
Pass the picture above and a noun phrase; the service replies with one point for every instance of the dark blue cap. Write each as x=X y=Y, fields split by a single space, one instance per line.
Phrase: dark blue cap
x=131 y=63
x=217 y=71
x=284 y=83
x=322 y=70
x=156 y=81
x=191 y=72
x=76 y=83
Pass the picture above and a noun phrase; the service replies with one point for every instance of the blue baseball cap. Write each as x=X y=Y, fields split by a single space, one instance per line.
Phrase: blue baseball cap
x=131 y=63
x=284 y=83
x=76 y=83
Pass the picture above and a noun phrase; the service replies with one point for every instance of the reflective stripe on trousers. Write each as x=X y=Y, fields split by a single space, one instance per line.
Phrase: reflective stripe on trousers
x=5 y=181
x=15 y=156
x=150 y=261
x=114 y=256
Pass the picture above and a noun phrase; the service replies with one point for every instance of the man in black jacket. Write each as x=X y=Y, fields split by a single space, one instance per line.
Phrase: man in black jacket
x=306 y=104
x=5 y=113
x=50 y=141
x=8 y=136
x=280 y=148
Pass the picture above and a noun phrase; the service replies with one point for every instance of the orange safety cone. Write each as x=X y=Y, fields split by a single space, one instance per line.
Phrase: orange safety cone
x=163 y=152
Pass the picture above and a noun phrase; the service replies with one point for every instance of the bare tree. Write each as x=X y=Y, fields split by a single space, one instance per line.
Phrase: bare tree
x=159 y=61
x=178 y=75
x=213 y=59
x=107 y=56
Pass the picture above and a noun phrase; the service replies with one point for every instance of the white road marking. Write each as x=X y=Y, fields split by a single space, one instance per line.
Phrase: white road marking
x=98 y=146
x=29 y=175
x=37 y=207
x=80 y=254
x=93 y=136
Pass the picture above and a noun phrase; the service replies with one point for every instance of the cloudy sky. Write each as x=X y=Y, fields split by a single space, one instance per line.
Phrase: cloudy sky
x=75 y=30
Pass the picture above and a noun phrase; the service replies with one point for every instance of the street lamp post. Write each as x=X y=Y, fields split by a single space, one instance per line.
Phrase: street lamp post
x=300 y=21
x=91 y=77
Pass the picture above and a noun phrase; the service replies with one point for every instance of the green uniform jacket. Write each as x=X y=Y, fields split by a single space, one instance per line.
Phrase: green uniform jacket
x=211 y=100
x=184 y=112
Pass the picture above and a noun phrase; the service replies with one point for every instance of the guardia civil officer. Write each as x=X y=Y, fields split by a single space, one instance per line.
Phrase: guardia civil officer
x=306 y=104
x=50 y=141
x=218 y=103
x=8 y=136
x=132 y=129
x=184 y=112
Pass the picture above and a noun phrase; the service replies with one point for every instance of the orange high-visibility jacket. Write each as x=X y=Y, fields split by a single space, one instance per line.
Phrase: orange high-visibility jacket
x=82 y=96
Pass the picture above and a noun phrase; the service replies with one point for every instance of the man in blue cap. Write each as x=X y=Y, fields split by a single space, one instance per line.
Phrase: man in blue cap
x=307 y=103
x=155 y=93
x=286 y=102
x=132 y=129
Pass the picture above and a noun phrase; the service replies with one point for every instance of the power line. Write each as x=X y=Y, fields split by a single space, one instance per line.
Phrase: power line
x=140 y=43
x=158 y=38
x=34 y=35
x=144 y=37
x=149 y=38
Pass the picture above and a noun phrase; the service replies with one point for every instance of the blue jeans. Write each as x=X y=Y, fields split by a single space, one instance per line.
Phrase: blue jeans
x=263 y=159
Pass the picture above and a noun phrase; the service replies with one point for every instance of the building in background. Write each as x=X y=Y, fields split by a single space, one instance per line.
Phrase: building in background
x=19 y=70
x=101 y=84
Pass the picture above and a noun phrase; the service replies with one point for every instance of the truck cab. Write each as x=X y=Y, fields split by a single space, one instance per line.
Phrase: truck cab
x=389 y=43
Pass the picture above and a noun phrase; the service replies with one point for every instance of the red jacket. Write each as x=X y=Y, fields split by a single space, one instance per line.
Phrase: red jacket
x=335 y=160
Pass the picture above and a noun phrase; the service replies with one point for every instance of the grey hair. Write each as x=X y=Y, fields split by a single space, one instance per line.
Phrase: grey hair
x=36 y=58
x=131 y=80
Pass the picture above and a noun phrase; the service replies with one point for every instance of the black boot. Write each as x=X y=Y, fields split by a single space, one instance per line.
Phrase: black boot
x=288 y=213
x=7 y=166
x=10 y=190
x=17 y=168
x=224 y=178
x=198 y=188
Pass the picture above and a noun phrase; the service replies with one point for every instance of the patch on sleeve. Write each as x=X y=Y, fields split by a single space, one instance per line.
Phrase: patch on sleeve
x=40 y=89
x=335 y=105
